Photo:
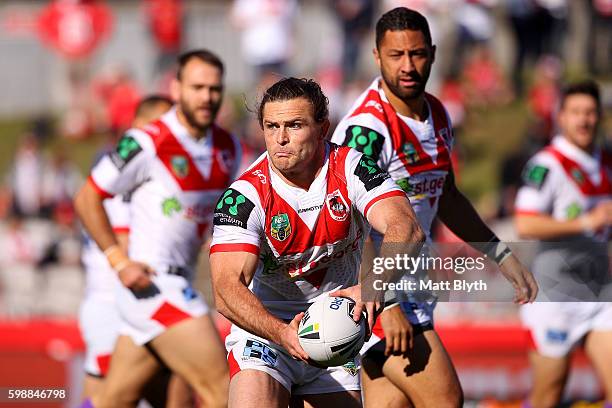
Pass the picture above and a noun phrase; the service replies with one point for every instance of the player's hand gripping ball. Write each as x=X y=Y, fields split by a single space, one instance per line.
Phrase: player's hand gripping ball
x=328 y=333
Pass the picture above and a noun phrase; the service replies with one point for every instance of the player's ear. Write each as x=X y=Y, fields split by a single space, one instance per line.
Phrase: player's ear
x=433 y=53
x=376 y=56
x=175 y=89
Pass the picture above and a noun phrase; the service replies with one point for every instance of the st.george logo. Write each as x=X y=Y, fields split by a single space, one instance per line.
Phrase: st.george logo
x=337 y=206
x=280 y=227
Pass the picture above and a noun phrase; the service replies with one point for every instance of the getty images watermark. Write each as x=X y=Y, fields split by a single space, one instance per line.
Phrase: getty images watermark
x=574 y=271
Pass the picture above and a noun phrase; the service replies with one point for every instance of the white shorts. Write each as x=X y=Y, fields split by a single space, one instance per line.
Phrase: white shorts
x=147 y=314
x=418 y=314
x=556 y=328
x=247 y=351
x=99 y=322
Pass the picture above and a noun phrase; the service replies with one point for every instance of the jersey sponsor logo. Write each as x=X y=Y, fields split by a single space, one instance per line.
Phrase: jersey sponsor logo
x=428 y=187
x=577 y=175
x=189 y=293
x=337 y=206
x=535 y=176
x=313 y=208
x=412 y=156
x=375 y=105
x=171 y=206
x=233 y=209
x=258 y=350
x=369 y=173
x=573 y=211
x=364 y=140
x=556 y=336
x=127 y=149
x=351 y=368
x=262 y=177
x=180 y=166
x=280 y=227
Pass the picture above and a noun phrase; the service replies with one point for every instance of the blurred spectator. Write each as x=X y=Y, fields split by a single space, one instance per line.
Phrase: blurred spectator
x=119 y=95
x=60 y=182
x=17 y=268
x=534 y=23
x=599 y=53
x=267 y=33
x=25 y=178
x=165 y=21
x=544 y=94
x=475 y=26
x=453 y=97
x=355 y=18
x=485 y=84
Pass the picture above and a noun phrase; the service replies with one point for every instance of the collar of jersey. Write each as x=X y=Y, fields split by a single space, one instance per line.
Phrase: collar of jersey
x=317 y=185
x=589 y=163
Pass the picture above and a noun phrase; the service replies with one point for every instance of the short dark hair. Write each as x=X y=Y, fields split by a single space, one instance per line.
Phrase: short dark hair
x=201 y=54
x=151 y=101
x=400 y=19
x=292 y=88
x=586 y=87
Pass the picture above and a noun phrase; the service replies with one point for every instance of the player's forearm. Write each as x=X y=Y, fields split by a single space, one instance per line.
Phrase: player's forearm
x=237 y=303
x=458 y=214
x=546 y=227
x=88 y=205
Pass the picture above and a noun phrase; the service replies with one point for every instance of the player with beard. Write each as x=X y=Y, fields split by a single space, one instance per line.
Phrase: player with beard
x=408 y=133
x=175 y=168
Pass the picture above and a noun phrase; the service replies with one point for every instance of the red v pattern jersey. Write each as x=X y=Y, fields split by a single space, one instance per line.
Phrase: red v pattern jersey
x=175 y=182
x=416 y=154
x=565 y=182
x=308 y=242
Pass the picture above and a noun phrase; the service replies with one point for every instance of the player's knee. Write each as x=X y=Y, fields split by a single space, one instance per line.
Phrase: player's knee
x=214 y=390
x=111 y=399
x=452 y=397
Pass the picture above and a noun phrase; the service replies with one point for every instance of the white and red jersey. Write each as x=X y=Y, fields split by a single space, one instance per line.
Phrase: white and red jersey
x=175 y=182
x=416 y=154
x=565 y=182
x=308 y=242
x=100 y=277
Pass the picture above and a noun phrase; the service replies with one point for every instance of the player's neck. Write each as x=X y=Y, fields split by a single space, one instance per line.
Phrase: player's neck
x=305 y=176
x=414 y=108
x=194 y=132
x=589 y=149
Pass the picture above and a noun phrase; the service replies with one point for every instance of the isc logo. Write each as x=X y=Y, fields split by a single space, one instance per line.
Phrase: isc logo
x=335 y=304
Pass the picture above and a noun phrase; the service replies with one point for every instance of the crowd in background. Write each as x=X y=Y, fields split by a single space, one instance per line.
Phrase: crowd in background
x=39 y=234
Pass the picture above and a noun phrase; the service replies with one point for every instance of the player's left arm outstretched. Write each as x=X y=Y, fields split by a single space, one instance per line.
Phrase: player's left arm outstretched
x=456 y=211
x=388 y=210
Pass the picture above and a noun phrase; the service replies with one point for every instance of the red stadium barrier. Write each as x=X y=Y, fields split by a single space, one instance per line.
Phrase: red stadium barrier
x=491 y=359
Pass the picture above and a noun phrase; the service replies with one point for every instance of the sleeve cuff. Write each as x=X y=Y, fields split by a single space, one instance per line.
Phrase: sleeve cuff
x=254 y=249
x=103 y=193
x=394 y=193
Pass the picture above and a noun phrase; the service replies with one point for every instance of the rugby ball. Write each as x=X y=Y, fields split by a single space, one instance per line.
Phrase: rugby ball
x=328 y=333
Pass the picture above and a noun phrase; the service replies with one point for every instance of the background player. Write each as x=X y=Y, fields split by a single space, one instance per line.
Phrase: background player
x=277 y=235
x=177 y=167
x=566 y=201
x=99 y=319
x=408 y=133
